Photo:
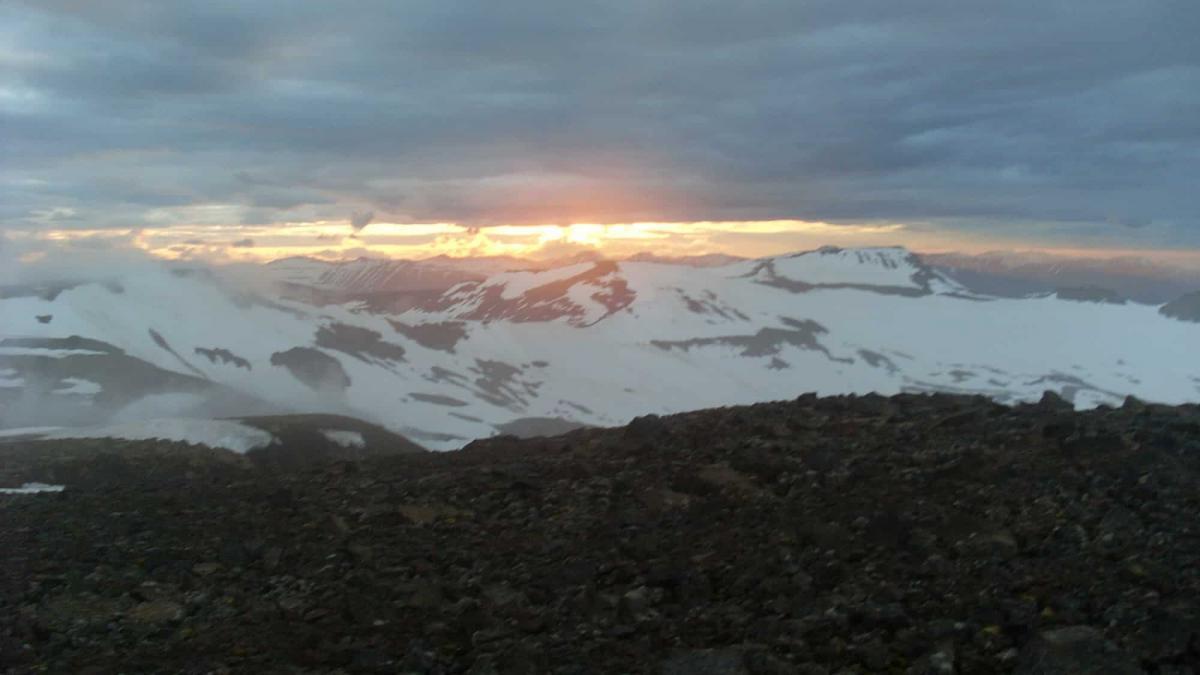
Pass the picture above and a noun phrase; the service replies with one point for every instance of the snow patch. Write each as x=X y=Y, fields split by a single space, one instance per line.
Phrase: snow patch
x=159 y=406
x=225 y=434
x=26 y=431
x=48 y=351
x=10 y=378
x=346 y=439
x=82 y=387
x=516 y=284
x=32 y=488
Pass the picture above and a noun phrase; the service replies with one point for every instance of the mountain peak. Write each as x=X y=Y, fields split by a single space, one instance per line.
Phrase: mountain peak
x=297 y=259
x=861 y=252
x=892 y=269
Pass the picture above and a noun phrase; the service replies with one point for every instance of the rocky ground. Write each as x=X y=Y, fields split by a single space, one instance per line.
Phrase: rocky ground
x=912 y=534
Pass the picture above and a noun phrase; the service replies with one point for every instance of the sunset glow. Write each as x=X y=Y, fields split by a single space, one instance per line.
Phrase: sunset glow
x=336 y=240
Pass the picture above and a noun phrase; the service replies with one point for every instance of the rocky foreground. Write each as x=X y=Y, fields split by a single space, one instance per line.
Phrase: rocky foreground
x=912 y=534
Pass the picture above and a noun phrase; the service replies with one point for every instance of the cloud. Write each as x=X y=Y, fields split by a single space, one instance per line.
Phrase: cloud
x=93 y=257
x=8 y=262
x=1135 y=223
x=360 y=219
x=561 y=249
x=243 y=243
x=978 y=118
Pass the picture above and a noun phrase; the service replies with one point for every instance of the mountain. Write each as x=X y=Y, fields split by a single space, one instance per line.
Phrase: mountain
x=910 y=534
x=593 y=343
x=1019 y=274
x=1184 y=308
x=368 y=275
x=386 y=285
x=706 y=260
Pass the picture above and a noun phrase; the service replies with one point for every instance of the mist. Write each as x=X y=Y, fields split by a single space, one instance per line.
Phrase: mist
x=56 y=372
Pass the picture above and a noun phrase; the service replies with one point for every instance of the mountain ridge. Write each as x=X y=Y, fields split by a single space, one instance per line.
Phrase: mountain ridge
x=595 y=343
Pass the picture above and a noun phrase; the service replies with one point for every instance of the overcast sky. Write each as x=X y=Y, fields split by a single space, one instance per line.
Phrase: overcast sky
x=1058 y=121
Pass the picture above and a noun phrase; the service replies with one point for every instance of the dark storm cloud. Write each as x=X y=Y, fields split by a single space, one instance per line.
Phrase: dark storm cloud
x=1066 y=115
x=360 y=219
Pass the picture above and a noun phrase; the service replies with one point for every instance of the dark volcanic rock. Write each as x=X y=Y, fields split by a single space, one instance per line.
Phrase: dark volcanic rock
x=1074 y=650
x=444 y=335
x=302 y=440
x=438 y=399
x=532 y=427
x=361 y=343
x=224 y=356
x=706 y=662
x=766 y=342
x=165 y=346
x=1089 y=294
x=645 y=426
x=1186 y=308
x=316 y=369
x=910 y=534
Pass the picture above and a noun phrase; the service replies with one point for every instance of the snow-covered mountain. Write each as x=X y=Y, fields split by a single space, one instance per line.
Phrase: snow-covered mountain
x=1017 y=274
x=593 y=342
x=374 y=275
x=365 y=277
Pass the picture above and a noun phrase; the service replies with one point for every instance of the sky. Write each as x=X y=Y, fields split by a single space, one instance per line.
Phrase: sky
x=246 y=130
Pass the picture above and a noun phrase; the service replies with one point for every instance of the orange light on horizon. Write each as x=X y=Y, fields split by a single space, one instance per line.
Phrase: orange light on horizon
x=335 y=240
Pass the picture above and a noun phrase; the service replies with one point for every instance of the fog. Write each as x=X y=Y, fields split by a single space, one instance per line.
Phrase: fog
x=55 y=373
